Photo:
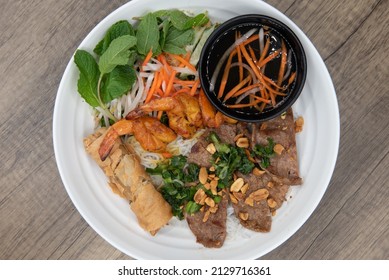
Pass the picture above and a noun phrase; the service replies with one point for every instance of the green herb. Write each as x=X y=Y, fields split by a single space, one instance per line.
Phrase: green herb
x=176 y=40
x=116 y=83
x=148 y=35
x=120 y=28
x=176 y=173
x=117 y=53
x=265 y=152
x=227 y=160
x=89 y=75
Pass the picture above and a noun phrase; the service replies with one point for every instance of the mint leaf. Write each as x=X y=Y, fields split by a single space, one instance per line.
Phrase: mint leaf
x=198 y=20
x=179 y=38
x=118 y=29
x=148 y=35
x=178 y=19
x=164 y=32
x=117 y=53
x=89 y=76
x=116 y=83
x=169 y=48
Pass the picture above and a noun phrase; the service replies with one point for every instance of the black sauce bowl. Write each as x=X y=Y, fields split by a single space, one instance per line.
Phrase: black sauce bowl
x=223 y=37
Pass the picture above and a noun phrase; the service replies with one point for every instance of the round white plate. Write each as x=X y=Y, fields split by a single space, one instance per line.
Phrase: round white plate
x=111 y=217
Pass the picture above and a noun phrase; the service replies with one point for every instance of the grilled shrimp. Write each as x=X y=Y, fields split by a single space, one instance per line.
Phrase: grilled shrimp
x=152 y=135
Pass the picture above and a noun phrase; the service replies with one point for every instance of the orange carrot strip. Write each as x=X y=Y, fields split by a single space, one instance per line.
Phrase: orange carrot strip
x=270 y=81
x=252 y=54
x=170 y=83
x=236 y=88
x=166 y=155
x=283 y=63
x=147 y=58
x=243 y=90
x=225 y=74
x=270 y=57
x=182 y=90
x=184 y=82
x=152 y=89
x=162 y=59
x=273 y=99
x=183 y=61
x=249 y=40
x=194 y=87
x=159 y=91
x=243 y=105
x=250 y=61
x=159 y=115
x=267 y=101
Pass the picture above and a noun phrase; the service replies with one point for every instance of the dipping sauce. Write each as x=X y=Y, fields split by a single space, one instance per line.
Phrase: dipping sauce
x=252 y=69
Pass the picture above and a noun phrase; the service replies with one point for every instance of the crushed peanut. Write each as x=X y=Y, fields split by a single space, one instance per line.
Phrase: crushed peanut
x=203 y=175
x=238 y=136
x=271 y=203
x=244 y=216
x=249 y=201
x=298 y=124
x=260 y=194
x=283 y=116
x=212 y=168
x=211 y=148
x=238 y=195
x=278 y=149
x=244 y=188
x=270 y=184
x=213 y=209
x=233 y=199
x=206 y=216
x=210 y=202
x=200 y=197
x=258 y=172
x=237 y=185
x=242 y=142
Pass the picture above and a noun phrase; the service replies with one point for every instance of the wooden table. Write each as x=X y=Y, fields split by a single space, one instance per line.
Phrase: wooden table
x=39 y=221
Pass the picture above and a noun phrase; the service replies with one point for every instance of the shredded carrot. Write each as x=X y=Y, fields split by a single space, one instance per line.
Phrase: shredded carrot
x=225 y=74
x=250 y=61
x=162 y=59
x=159 y=115
x=243 y=90
x=166 y=155
x=252 y=54
x=147 y=58
x=283 y=63
x=237 y=87
x=249 y=40
x=243 y=105
x=194 y=87
x=183 y=61
x=184 y=82
x=267 y=101
x=159 y=91
x=169 y=85
x=270 y=57
x=153 y=87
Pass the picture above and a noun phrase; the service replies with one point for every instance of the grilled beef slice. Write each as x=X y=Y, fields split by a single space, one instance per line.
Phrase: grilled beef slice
x=256 y=215
x=200 y=155
x=213 y=231
x=281 y=130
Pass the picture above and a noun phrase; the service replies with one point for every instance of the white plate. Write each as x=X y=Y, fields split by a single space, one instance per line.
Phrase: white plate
x=110 y=216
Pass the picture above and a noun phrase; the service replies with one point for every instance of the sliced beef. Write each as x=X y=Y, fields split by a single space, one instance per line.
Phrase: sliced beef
x=281 y=130
x=213 y=231
x=253 y=211
x=200 y=155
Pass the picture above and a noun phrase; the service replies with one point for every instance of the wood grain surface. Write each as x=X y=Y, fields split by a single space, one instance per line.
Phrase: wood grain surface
x=38 y=219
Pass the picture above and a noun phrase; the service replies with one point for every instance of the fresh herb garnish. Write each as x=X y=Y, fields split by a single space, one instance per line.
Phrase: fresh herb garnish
x=227 y=160
x=265 y=152
x=176 y=174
